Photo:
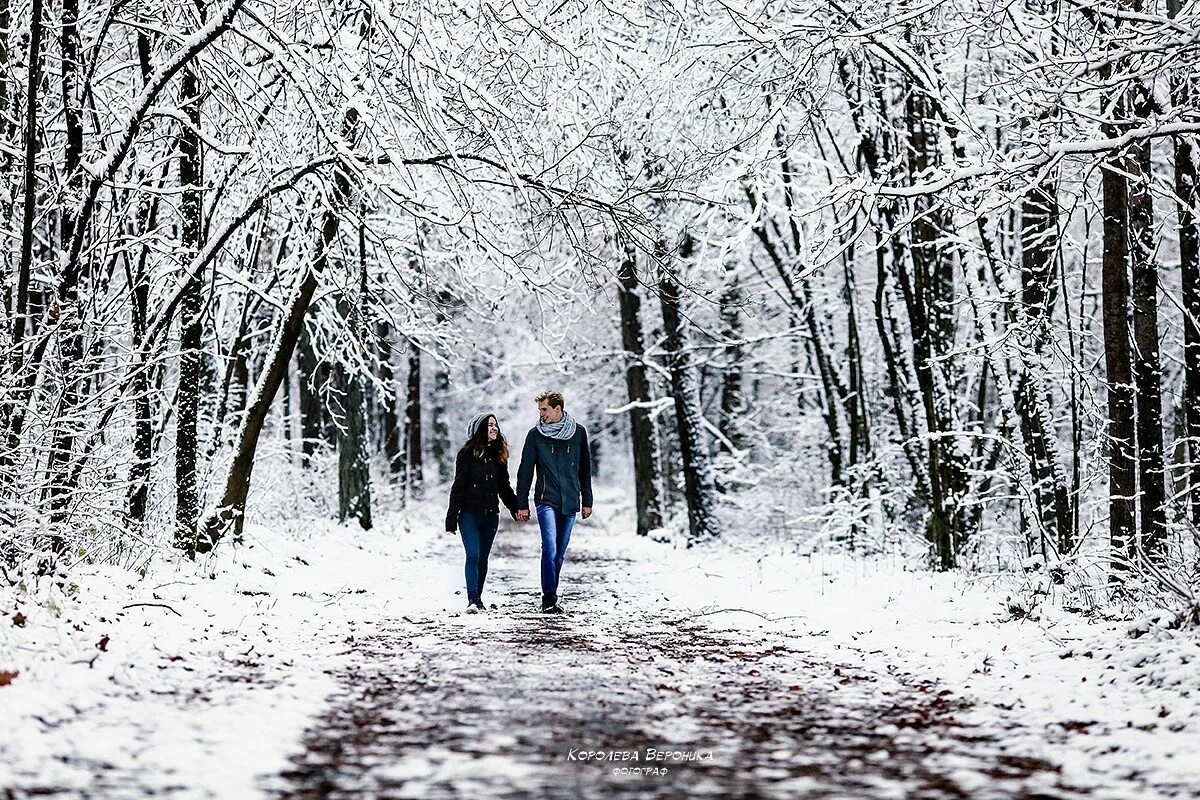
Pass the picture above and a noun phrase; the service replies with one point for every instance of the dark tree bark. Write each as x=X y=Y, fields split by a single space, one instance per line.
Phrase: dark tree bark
x=931 y=314
x=693 y=449
x=856 y=401
x=354 y=477
x=7 y=129
x=143 y=436
x=441 y=446
x=354 y=474
x=13 y=419
x=1187 y=196
x=637 y=385
x=139 y=295
x=1147 y=366
x=596 y=446
x=1039 y=239
x=1122 y=465
x=29 y=193
x=232 y=507
x=311 y=394
x=71 y=311
x=733 y=401
x=875 y=149
x=389 y=419
x=236 y=381
x=191 y=306
x=412 y=425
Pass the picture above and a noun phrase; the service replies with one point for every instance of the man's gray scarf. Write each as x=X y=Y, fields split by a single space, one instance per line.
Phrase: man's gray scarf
x=562 y=430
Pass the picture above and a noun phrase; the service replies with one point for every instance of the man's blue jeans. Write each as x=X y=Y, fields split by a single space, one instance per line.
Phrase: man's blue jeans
x=556 y=534
x=478 y=531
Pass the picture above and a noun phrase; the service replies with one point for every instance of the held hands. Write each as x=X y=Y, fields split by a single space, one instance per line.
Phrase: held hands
x=522 y=514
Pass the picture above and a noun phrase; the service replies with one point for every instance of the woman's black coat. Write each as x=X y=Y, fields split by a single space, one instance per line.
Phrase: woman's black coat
x=479 y=485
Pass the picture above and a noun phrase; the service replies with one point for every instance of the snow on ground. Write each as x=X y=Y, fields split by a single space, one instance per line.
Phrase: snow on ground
x=148 y=681
x=131 y=684
x=1080 y=693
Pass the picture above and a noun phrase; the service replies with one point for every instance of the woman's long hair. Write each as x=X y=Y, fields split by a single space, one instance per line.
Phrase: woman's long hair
x=478 y=445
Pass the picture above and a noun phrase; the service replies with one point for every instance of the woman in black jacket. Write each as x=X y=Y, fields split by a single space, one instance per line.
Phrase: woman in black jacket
x=480 y=481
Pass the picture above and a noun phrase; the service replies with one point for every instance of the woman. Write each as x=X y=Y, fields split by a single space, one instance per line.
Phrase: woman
x=480 y=479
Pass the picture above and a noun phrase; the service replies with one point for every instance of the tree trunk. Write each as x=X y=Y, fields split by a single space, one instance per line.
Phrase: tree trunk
x=733 y=404
x=139 y=297
x=29 y=195
x=11 y=417
x=693 y=449
x=354 y=474
x=71 y=319
x=412 y=425
x=856 y=401
x=441 y=446
x=1147 y=365
x=6 y=158
x=390 y=420
x=232 y=507
x=931 y=316
x=143 y=436
x=637 y=386
x=237 y=372
x=191 y=306
x=1187 y=196
x=1122 y=467
x=1039 y=237
x=311 y=393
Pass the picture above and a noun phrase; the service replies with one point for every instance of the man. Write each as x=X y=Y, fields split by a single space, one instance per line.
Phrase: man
x=558 y=448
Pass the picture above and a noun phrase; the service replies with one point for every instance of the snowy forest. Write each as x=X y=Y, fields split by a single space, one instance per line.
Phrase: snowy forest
x=829 y=283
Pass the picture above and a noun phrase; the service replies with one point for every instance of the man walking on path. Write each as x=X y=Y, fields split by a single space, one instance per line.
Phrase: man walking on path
x=558 y=447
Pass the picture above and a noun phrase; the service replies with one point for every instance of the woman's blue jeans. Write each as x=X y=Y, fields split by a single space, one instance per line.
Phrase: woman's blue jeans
x=556 y=534
x=478 y=531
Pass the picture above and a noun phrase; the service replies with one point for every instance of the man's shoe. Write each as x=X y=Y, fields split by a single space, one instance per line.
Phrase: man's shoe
x=481 y=607
x=472 y=609
x=552 y=609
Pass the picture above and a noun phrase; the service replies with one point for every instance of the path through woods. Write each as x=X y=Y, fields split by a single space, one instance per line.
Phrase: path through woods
x=318 y=661
x=495 y=706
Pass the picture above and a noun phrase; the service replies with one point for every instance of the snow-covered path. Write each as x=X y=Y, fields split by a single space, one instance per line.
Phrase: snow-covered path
x=316 y=661
x=515 y=704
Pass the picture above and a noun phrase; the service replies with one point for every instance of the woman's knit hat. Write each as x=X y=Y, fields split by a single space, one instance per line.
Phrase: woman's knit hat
x=476 y=421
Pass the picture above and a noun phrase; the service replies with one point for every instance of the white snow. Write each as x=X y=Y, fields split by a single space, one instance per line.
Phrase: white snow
x=242 y=659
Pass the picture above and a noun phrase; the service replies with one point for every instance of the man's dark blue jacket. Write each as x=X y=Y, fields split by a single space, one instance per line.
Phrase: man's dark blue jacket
x=564 y=471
